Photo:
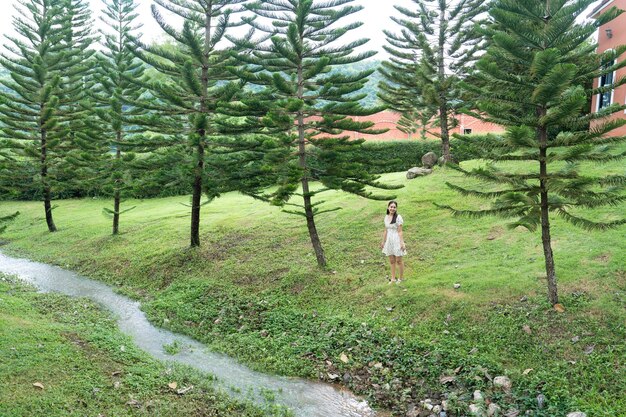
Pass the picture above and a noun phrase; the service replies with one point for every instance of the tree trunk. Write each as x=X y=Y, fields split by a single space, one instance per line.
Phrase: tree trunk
x=197 y=183
x=445 y=133
x=44 y=182
x=310 y=223
x=116 y=196
x=441 y=77
x=308 y=207
x=197 y=196
x=545 y=216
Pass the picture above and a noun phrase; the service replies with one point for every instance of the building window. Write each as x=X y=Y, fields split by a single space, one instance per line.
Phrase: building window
x=467 y=131
x=604 y=99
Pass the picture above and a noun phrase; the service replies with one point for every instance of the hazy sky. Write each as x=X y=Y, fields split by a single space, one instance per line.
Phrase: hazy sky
x=375 y=17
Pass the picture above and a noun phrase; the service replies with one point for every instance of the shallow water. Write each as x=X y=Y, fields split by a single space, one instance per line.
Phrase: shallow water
x=305 y=398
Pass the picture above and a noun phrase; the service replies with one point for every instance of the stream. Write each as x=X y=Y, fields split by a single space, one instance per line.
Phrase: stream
x=306 y=398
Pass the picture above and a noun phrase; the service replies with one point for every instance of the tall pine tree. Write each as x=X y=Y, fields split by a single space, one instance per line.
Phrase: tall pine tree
x=312 y=102
x=118 y=98
x=429 y=56
x=31 y=108
x=188 y=102
x=534 y=79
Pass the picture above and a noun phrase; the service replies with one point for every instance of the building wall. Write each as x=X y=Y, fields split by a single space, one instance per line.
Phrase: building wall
x=611 y=35
x=389 y=120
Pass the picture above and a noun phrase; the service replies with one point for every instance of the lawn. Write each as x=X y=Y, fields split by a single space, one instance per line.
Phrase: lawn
x=62 y=357
x=253 y=290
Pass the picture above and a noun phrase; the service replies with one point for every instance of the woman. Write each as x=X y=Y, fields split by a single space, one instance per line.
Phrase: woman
x=393 y=241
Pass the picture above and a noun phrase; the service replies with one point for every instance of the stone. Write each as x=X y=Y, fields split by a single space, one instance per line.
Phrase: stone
x=412 y=411
x=457 y=286
x=417 y=172
x=475 y=410
x=502 y=382
x=577 y=414
x=478 y=396
x=541 y=401
x=429 y=160
x=493 y=410
x=441 y=161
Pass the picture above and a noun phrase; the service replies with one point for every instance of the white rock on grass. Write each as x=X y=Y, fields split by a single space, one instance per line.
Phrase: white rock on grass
x=577 y=414
x=475 y=410
x=478 y=396
x=493 y=410
x=502 y=382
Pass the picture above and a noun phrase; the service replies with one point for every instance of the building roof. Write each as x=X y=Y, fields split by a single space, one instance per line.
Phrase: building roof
x=599 y=7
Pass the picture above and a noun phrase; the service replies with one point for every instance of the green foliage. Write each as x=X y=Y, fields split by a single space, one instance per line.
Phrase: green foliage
x=433 y=50
x=118 y=99
x=395 y=156
x=309 y=102
x=195 y=88
x=540 y=94
x=43 y=108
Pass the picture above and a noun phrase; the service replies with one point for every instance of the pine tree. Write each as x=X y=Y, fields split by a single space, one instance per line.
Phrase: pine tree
x=430 y=55
x=312 y=102
x=30 y=107
x=118 y=98
x=188 y=103
x=533 y=80
x=79 y=171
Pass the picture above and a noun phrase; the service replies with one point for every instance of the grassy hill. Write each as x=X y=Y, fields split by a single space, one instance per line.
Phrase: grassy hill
x=253 y=290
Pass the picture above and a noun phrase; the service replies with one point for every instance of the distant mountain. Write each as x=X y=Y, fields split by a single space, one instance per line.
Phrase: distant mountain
x=371 y=88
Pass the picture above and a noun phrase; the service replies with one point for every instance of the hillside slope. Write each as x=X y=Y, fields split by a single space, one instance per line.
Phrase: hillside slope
x=253 y=290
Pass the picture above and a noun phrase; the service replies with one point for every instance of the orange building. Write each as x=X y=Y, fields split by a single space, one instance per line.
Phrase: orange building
x=610 y=35
x=389 y=120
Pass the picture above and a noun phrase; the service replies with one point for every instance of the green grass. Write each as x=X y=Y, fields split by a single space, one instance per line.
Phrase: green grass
x=253 y=290
x=86 y=367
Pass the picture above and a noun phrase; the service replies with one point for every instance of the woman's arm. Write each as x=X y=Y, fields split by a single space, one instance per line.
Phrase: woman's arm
x=402 y=245
x=382 y=245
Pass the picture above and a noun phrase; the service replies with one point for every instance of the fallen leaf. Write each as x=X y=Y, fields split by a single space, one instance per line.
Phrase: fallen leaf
x=38 y=385
x=526 y=329
x=447 y=379
x=575 y=339
x=343 y=358
x=589 y=349
x=134 y=403
x=116 y=373
x=527 y=371
x=332 y=376
x=378 y=365
x=173 y=385
x=559 y=308
x=457 y=370
x=185 y=390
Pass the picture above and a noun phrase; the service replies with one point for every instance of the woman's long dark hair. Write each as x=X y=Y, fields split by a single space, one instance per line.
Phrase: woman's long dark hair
x=395 y=215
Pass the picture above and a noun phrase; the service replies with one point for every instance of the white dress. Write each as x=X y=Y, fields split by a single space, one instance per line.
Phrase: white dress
x=393 y=243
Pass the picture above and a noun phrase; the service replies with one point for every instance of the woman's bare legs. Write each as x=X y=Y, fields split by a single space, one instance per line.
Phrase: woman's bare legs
x=400 y=264
x=392 y=262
